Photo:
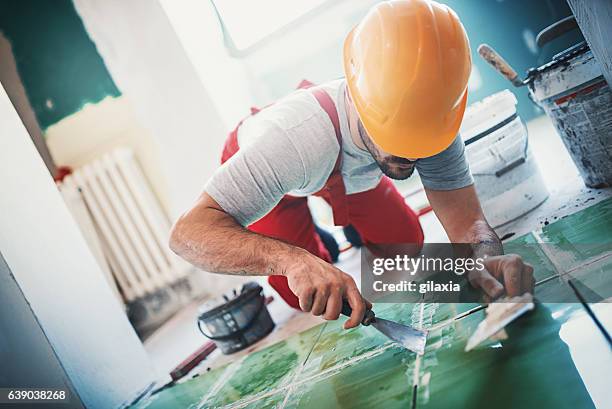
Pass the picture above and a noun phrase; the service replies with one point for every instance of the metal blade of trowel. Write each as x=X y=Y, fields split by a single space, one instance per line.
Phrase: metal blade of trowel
x=406 y=336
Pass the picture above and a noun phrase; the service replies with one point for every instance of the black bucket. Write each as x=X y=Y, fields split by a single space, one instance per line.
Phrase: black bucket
x=239 y=322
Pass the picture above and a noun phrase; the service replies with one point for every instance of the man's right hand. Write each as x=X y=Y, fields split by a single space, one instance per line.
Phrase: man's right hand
x=206 y=236
x=321 y=287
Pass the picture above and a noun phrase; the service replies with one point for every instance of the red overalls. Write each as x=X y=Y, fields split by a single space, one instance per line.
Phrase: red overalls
x=380 y=215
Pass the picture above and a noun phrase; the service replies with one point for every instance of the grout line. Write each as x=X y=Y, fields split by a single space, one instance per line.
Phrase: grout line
x=590 y=261
x=301 y=368
x=458 y=317
x=547 y=279
x=560 y=271
x=337 y=367
x=546 y=252
x=563 y=274
x=350 y=362
x=414 y=397
x=417 y=361
x=229 y=371
x=342 y=365
x=314 y=344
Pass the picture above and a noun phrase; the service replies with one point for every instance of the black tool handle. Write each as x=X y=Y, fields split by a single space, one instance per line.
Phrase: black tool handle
x=368 y=318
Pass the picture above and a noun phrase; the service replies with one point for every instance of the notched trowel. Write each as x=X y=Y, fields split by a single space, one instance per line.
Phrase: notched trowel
x=500 y=314
x=408 y=337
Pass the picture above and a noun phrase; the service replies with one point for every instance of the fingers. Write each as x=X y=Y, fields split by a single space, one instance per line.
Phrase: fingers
x=512 y=272
x=528 y=283
x=334 y=305
x=306 y=299
x=321 y=288
x=489 y=284
x=357 y=304
x=320 y=300
x=510 y=269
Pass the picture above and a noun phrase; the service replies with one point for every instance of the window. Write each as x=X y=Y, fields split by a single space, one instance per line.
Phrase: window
x=245 y=23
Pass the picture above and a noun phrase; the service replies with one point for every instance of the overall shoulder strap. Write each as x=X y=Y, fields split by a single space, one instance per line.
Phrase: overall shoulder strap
x=334 y=187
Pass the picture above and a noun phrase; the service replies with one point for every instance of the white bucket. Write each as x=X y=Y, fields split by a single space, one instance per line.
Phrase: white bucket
x=506 y=176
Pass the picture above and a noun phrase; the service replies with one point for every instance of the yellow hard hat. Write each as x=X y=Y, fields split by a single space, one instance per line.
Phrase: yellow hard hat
x=407 y=66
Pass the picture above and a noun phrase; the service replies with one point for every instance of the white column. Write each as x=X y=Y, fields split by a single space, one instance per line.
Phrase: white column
x=60 y=278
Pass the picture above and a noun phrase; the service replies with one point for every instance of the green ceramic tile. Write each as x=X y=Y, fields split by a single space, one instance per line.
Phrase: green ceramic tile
x=265 y=370
x=537 y=367
x=591 y=225
x=267 y=402
x=555 y=290
x=183 y=395
x=527 y=247
x=555 y=356
x=580 y=237
x=442 y=314
x=337 y=345
x=571 y=257
x=572 y=241
x=528 y=238
x=594 y=281
x=382 y=381
x=405 y=313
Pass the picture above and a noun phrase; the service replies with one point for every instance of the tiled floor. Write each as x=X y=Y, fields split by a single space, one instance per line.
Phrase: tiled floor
x=555 y=356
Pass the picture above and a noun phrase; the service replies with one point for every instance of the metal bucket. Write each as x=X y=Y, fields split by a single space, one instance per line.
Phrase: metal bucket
x=236 y=322
x=574 y=94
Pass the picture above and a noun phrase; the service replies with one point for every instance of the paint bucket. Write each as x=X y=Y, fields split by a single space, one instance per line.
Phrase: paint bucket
x=236 y=321
x=574 y=94
x=506 y=176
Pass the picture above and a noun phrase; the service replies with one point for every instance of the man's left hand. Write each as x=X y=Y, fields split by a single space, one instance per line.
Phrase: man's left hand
x=506 y=274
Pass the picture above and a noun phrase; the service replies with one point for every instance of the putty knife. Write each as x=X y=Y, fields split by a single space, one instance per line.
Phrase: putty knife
x=408 y=337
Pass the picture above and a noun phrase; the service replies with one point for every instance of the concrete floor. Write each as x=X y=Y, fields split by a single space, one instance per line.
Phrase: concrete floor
x=179 y=337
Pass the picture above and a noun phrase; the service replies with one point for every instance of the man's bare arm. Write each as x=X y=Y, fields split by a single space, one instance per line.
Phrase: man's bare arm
x=212 y=240
x=209 y=238
x=460 y=213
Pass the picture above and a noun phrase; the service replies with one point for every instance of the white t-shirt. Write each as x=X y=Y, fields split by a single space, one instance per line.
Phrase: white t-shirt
x=291 y=148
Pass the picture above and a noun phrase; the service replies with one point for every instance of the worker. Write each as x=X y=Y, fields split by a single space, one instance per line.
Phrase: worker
x=398 y=109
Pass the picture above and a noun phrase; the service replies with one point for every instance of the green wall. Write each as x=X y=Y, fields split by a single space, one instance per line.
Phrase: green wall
x=510 y=26
x=58 y=63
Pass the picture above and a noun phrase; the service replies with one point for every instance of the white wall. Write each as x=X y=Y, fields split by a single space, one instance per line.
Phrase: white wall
x=225 y=78
x=100 y=128
x=152 y=70
x=59 y=277
x=309 y=49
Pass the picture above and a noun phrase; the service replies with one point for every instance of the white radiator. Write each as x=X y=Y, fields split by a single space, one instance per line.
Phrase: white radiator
x=124 y=224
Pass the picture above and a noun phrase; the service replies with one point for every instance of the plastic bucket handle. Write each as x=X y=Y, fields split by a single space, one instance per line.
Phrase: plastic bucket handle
x=511 y=165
